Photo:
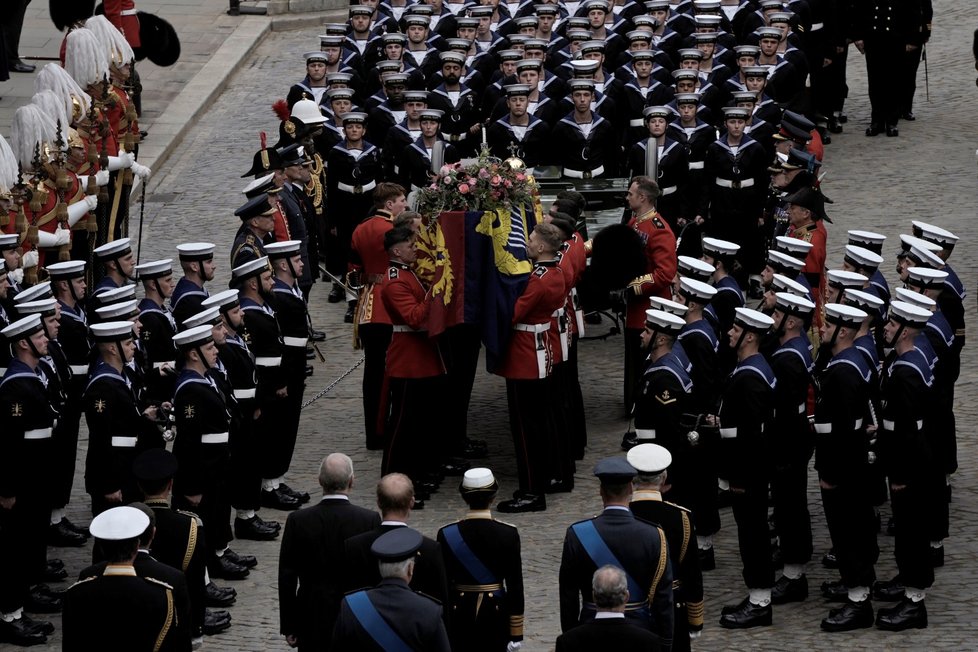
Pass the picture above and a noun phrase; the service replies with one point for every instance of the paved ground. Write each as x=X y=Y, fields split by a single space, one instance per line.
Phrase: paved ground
x=879 y=184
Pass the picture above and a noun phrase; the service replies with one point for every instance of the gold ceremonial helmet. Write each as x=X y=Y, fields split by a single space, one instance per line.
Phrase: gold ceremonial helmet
x=74 y=140
x=76 y=109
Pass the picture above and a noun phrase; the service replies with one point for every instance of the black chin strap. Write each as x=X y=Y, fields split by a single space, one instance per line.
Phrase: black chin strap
x=121 y=351
x=203 y=360
x=891 y=343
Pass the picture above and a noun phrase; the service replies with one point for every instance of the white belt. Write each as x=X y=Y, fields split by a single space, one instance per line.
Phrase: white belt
x=123 y=442
x=356 y=190
x=295 y=341
x=636 y=122
x=170 y=363
x=697 y=165
x=128 y=12
x=214 y=438
x=561 y=315
x=38 y=433
x=816 y=26
x=578 y=311
x=645 y=434
x=737 y=184
x=268 y=362
x=586 y=174
x=403 y=328
x=79 y=369
x=668 y=191
x=890 y=425
x=244 y=393
x=532 y=328
x=823 y=428
x=801 y=408
x=728 y=433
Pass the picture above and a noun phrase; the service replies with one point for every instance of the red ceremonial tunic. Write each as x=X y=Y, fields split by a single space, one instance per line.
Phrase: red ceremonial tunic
x=369 y=257
x=411 y=354
x=122 y=14
x=534 y=342
x=660 y=269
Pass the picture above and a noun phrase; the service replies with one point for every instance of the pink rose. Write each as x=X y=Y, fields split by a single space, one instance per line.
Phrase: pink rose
x=463 y=188
x=508 y=183
x=483 y=173
x=495 y=180
x=521 y=177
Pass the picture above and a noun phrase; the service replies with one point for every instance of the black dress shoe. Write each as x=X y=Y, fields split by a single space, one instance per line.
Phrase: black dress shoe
x=316 y=336
x=888 y=590
x=908 y=116
x=629 y=440
x=248 y=561
x=787 y=590
x=42 y=602
x=829 y=560
x=336 y=294
x=40 y=626
x=835 y=125
x=216 y=622
x=275 y=525
x=220 y=596
x=279 y=500
x=730 y=608
x=224 y=569
x=55 y=564
x=826 y=140
x=850 y=616
x=748 y=615
x=253 y=530
x=874 y=129
x=892 y=131
x=418 y=504
x=843 y=118
x=560 y=486
x=425 y=489
x=301 y=496
x=19 y=66
x=708 y=560
x=937 y=557
x=76 y=528
x=55 y=574
x=524 y=503
x=62 y=536
x=19 y=632
x=310 y=354
x=906 y=615
x=835 y=591
x=454 y=468
x=350 y=313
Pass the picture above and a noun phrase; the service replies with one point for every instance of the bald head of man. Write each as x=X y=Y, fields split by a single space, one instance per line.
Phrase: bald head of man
x=395 y=497
x=336 y=474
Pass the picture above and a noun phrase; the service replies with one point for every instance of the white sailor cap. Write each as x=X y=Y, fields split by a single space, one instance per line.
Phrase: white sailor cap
x=780 y=261
x=112 y=331
x=34 y=292
x=792 y=304
x=934 y=234
x=155 y=269
x=225 y=300
x=657 y=112
x=864 y=300
x=862 y=258
x=841 y=279
x=479 y=478
x=418 y=19
x=843 y=315
x=436 y=115
x=791 y=245
x=907 y=241
x=923 y=256
x=715 y=247
x=193 y=336
x=926 y=278
x=43 y=307
x=318 y=55
x=768 y=32
x=916 y=299
x=67 y=269
x=119 y=524
x=23 y=327
x=909 y=314
x=250 y=268
x=584 y=67
x=353 y=117
x=119 y=310
x=516 y=90
x=361 y=10
x=781 y=283
x=263 y=184
x=284 y=249
x=112 y=250
x=695 y=268
x=752 y=320
x=594 y=45
x=115 y=295
x=649 y=459
x=210 y=317
x=195 y=251
x=9 y=241
x=868 y=239
x=696 y=290
x=661 y=321
x=668 y=305
x=450 y=56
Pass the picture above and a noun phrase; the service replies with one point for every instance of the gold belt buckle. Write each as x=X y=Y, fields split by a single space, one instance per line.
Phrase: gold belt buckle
x=587 y=174
x=735 y=184
x=357 y=190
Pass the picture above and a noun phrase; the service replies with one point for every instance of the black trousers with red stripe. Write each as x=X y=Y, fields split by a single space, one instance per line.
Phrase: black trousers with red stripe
x=532 y=423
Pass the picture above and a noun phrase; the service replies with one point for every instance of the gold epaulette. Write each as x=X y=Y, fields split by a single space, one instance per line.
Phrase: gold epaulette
x=160 y=582
x=680 y=507
x=192 y=515
x=516 y=625
x=82 y=581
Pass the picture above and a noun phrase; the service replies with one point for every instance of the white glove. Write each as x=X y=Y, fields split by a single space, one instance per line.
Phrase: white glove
x=123 y=160
x=62 y=237
x=30 y=259
x=101 y=178
x=17 y=275
x=47 y=240
x=92 y=200
x=141 y=171
x=514 y=646
x=80 y=209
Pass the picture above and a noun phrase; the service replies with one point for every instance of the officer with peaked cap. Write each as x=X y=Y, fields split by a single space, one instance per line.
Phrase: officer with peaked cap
x=651 y=462
x=391 y=615
x=485 y=571
x=119 y=264
x=118 y=431
x=27 y=451
x=257 y=224
x=117 y=606
x=745 y=416
x=617 y=537
x=197 y=261
x=791 y=441
x=157 y=328
x=907 y=454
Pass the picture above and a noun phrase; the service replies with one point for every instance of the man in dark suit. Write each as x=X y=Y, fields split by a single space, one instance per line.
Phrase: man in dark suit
x=610 y=629
x=312 y=556
x=395 y=497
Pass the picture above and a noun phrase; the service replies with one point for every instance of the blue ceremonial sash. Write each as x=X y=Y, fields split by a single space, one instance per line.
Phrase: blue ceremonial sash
x=601 y=555
x=370 y=619
x=466 y=557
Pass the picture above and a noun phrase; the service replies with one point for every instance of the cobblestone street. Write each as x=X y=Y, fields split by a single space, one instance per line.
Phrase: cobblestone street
x=880 y=184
